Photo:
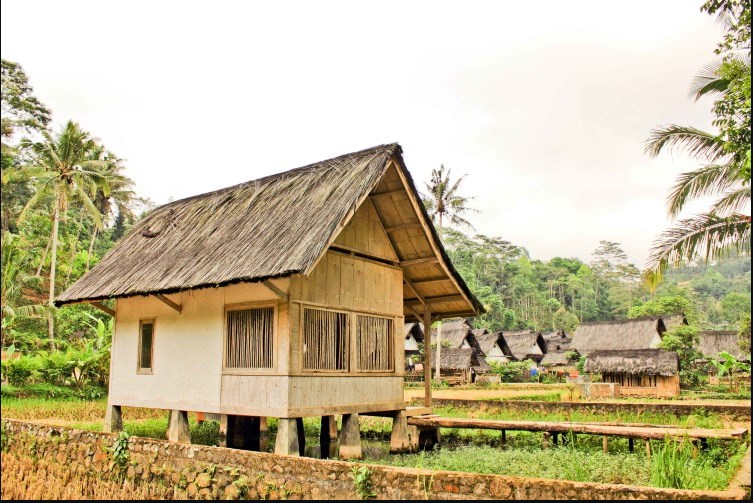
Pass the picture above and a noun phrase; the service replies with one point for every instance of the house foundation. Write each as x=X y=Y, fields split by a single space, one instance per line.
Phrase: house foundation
x=177 y=428
x=350 y=437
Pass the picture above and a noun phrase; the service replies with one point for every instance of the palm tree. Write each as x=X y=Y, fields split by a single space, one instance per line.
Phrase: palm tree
x=65 y=171
x=443 y=199
x=712 y=234
x=115 y=196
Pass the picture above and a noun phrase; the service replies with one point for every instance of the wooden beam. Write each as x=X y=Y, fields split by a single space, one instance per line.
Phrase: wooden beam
x=427 y=356
x=401 y=227
x=437 y=300
x=418 y=315
x=275 y=290
x=419 y=261
x=388 y=192
x=413 y=289
x=103 y=307
x=430 y=280
x=169 y=302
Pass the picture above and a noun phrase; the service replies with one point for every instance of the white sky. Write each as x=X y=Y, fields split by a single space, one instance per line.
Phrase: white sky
x=544 y=105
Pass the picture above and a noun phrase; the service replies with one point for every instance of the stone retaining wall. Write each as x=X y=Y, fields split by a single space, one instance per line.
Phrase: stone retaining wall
x=47 y=462
x=733 y=411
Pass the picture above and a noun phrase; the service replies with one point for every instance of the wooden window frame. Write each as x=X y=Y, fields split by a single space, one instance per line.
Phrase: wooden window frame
x=348 y=343
x=139 y=369
x=275 y=338
x=352 y=314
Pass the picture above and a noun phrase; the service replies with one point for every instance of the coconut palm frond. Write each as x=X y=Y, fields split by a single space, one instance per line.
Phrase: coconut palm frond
x=709 y=81
x=707 y=180
x=706 y=236
x=734 y=201
x=698 y=143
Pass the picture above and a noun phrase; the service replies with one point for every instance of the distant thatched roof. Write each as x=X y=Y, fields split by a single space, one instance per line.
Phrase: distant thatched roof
x=557 y=341
x=636 y=333
x=272 y=227
x=713 y=342
x=487 y=342
x=525 y=344
x=634 y=361
x=415 y=329
x=455 y=332
x=554 y=358
x=460 y=359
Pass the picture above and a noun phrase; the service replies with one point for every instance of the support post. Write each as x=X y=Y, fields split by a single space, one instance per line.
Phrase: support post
x=222 y=440
x=399 y=441
x=427 y=356
x=648 y=449
x=630 y=445
x=287 y=437
x=350 y=437
x=604 y=444
x=545 y=440
x=503 y=436
x=113 y=419
x=554 y=438
x=177 y=428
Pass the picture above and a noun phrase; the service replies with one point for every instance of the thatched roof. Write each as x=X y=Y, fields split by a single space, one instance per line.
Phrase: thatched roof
x=460 y=359
x=636 y=333
x=486 y=343
x=634 y=361
x=455 y=333
x=415 y=329
x=527 y=344
x=272 y=227
x=713 y=342
x=557 y=341
x=554 y=358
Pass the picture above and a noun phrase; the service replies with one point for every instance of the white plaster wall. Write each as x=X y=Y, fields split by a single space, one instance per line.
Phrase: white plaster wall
x=187 y=356
x=411 y=344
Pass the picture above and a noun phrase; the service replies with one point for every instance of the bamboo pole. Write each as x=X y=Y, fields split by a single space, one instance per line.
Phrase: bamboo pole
x=427 y=356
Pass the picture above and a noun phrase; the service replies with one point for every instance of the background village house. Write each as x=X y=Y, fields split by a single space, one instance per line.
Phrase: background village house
x=634 y=372
x=280 y=297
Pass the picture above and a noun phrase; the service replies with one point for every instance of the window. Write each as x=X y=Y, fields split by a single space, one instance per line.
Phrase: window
x=374 y=340
x=146 y=346
x=325 y=340
x=250 y=337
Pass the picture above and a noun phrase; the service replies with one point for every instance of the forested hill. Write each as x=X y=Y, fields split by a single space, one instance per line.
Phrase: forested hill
x=522 y=292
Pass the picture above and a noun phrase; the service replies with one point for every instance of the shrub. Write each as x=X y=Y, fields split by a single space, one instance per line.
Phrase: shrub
x=21 y=370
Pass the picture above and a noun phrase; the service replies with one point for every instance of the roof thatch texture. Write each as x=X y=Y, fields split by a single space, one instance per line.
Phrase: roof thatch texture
x=415 y=329
x=267 y=228
x=556 y=358
x=525 y=344
x=455 y=332
x=487 y=342
x=636 y=333
x=713 y=342
x=460 y=359
x=634 y=361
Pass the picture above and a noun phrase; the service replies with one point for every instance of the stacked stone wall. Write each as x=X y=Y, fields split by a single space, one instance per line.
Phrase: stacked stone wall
x=43 y=462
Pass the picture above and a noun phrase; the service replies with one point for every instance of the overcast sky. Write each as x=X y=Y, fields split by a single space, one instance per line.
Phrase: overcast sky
x=545 y=106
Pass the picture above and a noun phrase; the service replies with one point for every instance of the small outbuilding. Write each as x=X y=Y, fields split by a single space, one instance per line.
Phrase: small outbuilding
x=637 y=372
x=713 y=342
x=283 y=296
x=460 y=365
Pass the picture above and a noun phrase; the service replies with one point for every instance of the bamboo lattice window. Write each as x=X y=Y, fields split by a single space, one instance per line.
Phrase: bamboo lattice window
x=250 y=337
x=325 y=340
x=374 y=343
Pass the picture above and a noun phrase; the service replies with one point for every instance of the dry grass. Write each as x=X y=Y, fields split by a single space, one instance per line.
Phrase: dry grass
x=24 y=478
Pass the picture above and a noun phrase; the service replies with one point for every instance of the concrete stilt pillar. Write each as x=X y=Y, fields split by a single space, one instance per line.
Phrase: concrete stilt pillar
x=177 y=428
x=222 y=437
x=287 y=437
x=113 y=419
x=350 y=438
x=399 y=441
x=413 y=436
x=263 y=426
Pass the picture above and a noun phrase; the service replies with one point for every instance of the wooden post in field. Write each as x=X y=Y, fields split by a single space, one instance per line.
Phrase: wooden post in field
x=427 y=356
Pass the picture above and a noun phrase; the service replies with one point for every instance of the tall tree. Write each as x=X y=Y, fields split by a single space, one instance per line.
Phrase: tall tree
x=726 y=174
x=443 y=200
x=65 y=170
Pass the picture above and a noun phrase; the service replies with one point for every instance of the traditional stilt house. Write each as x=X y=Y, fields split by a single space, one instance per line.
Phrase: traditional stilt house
x=281 y=297
x=526 y=345
x=637 y=372
x=636 y=333
x=494 y=347
x=556 y=358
